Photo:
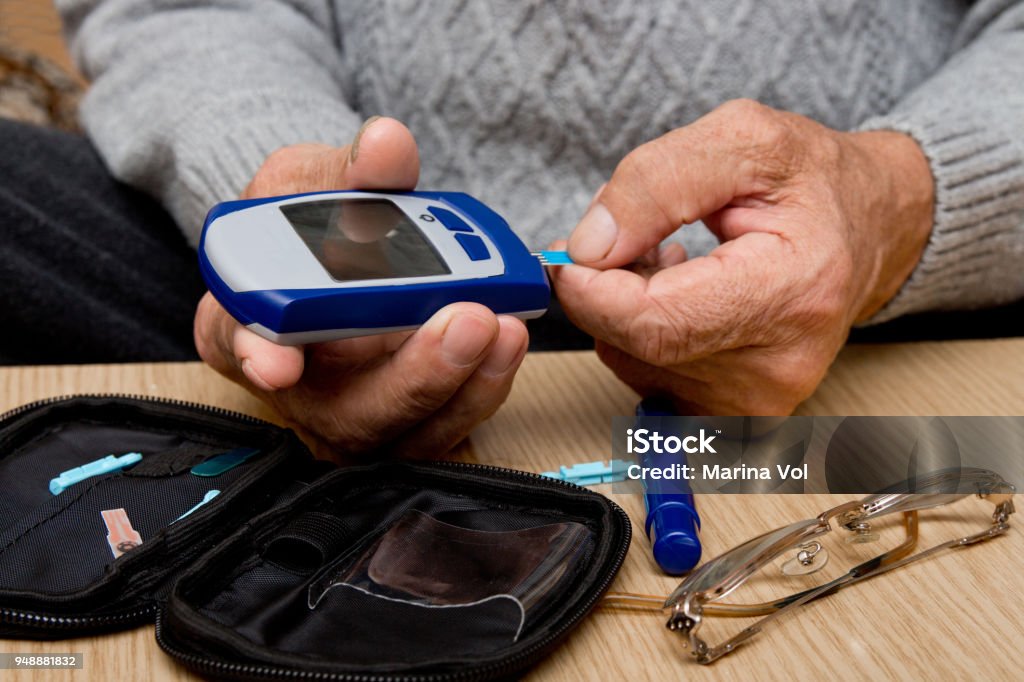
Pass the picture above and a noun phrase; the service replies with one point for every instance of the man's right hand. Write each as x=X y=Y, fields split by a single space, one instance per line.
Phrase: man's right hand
x=413 y=393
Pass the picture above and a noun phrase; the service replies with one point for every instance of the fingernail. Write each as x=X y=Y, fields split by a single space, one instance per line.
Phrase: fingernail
x=253 y=376
x=353 y=152
x=465 y=339
x=502 y=356
x=595 y=236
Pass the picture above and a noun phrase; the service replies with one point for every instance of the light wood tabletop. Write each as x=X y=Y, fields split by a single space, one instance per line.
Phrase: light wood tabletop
x=953 y=616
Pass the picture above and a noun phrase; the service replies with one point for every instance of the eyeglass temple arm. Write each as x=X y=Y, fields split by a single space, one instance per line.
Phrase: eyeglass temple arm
x=869 y=569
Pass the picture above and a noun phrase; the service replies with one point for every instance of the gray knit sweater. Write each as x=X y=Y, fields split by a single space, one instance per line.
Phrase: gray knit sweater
x=530 y=105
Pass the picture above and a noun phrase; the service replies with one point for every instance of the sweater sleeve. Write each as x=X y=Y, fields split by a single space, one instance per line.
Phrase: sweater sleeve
x=188 y=98
x=968 y=117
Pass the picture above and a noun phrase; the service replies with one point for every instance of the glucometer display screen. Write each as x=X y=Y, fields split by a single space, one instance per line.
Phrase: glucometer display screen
x=357 y=239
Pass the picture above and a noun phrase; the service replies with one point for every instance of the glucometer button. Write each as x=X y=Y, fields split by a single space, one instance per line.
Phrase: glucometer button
x=450 y=220
x=474 y=246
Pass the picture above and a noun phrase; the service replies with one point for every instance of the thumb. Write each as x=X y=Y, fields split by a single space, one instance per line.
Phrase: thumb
x=676 y=179
x=382 y=155
x=683 y=312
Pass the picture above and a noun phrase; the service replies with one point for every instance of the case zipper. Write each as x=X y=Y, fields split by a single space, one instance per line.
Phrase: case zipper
x=135 y=616
x=9 y=415
x=218 y=668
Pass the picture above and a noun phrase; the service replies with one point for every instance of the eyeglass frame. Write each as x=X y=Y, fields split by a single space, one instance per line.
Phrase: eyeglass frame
x=693 y=600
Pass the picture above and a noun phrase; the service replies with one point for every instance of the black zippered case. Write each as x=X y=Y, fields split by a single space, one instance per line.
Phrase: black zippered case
x=293 y=568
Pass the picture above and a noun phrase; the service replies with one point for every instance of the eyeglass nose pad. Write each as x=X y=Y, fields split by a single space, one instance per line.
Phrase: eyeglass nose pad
x=810 y=558
x=861 y=534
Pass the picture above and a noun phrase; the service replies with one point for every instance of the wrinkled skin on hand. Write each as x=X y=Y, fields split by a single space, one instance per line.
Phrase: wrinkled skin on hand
x=818 y=229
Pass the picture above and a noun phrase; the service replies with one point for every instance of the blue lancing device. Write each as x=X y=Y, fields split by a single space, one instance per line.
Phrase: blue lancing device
x=315 y=267
x=672 y=523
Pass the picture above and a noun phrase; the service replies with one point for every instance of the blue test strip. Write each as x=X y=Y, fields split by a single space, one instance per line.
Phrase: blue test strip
x=552 y=257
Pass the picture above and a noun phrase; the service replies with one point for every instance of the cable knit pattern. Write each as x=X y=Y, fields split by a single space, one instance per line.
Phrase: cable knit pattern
x=530 y=105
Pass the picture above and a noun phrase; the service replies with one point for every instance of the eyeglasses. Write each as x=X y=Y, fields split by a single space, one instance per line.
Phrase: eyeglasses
x=698 y=596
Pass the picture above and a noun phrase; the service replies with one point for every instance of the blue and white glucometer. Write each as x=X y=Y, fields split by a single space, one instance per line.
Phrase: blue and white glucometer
x=331 y=265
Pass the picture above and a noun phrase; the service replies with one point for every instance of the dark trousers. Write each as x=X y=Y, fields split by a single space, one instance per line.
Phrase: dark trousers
x=90 y=270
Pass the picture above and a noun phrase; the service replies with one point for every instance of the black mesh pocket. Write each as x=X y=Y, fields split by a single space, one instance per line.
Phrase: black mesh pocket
x=61 y=547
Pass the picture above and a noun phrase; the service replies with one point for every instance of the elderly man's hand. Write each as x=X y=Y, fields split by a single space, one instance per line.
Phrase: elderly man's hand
x=818 y=229
x=413 y=393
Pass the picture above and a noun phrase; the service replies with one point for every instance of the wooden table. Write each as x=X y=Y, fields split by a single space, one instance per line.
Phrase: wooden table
x=950 y=617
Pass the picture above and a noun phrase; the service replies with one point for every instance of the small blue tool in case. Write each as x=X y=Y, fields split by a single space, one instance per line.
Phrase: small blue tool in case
x=107 y=465
x=672 y=524
x=207 y=498
x=591 y=473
